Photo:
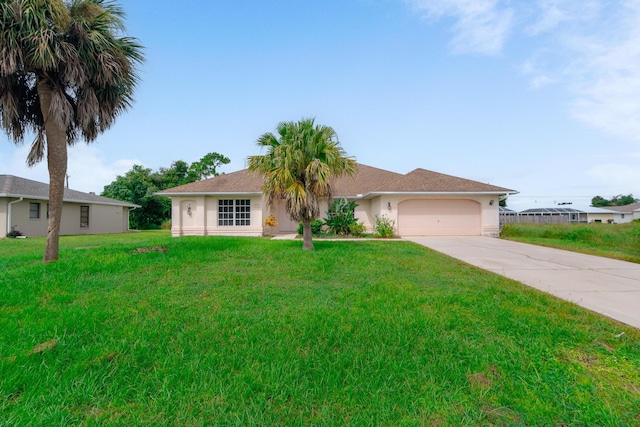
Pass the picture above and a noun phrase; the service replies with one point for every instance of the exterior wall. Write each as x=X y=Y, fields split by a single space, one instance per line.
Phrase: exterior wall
x=600 y=217
x=4 y=205
x=489 y=213
x=622 y=218
x=103 y=219
x=364 y=215
x=198 y=216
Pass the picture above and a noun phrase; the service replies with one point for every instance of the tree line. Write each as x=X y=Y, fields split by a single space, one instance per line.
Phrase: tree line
x=619 y=200
x=139 y=184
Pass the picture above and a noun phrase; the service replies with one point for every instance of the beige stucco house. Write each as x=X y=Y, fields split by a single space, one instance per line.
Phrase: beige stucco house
x=627 y=213
x=24 y=207
x=421 y=202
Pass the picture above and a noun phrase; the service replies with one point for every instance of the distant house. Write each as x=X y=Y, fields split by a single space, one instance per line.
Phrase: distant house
x=422 y=202
x=566 y=215
x=24 y=207
x=628 y=213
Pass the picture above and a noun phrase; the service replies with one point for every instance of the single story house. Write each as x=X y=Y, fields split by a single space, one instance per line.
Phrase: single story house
x=24 y=207
x=572 y=215
x=421 y=202
x=628 y=213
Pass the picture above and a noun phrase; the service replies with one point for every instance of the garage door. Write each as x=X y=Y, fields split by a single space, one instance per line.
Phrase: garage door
x=439 y=218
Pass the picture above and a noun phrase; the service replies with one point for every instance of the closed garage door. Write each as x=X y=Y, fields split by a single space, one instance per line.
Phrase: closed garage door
x=439 y=218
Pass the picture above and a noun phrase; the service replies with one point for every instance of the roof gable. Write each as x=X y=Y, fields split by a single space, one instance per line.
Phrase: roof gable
x=14 y=186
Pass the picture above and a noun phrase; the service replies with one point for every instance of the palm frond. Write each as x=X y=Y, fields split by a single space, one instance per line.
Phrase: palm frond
x=36 y=154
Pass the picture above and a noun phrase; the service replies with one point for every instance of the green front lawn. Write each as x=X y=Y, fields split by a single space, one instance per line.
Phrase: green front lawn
x=143 y=329
x=619 y=241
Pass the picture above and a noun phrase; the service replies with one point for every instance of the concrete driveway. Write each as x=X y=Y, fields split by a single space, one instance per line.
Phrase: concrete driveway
x=604 y=285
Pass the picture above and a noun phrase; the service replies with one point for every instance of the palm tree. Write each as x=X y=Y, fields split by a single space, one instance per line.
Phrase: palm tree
x=298 y=168
x=66 y=72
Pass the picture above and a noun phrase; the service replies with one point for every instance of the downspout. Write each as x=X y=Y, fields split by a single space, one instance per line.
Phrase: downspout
x=9 y=228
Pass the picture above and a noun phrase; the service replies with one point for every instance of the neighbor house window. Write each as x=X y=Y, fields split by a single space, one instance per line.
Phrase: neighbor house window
x=47 y=210
x=84 y=216
x=34 y=210
x=234 y=212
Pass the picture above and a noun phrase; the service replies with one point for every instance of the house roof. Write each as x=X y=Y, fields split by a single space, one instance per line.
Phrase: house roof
x=577 y=209
x=14 y=186
x=425 y=181
x=369 y=181
x=626 y=208
x=241 y=181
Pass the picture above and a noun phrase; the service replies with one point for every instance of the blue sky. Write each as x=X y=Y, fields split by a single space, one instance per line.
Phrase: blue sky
x=541 y=96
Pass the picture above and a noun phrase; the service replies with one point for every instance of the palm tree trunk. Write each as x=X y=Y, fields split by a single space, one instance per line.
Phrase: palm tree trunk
x=57 y=165
x=307 y=243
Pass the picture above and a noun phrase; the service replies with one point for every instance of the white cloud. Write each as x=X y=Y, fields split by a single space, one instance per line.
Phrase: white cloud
x=589 y=48
x=607 y=77
x=88 y=170
x=481 y=25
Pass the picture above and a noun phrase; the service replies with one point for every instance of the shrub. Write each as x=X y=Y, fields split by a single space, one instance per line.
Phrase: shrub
x=384 y=226
x=316 y=227
x=341 y=216
x=14 y=233
x=357 y=229
x=166 y=224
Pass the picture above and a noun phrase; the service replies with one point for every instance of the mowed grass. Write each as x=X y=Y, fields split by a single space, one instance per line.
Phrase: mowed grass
x=619 y=241
x=247 y=331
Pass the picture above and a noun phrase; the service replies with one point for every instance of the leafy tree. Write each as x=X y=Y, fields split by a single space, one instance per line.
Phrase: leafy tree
x=599 y=201
x=139 y=184
x=299 y=165
x=207 y=166
x=137 y=187
x=66 y=73
x=619 y=200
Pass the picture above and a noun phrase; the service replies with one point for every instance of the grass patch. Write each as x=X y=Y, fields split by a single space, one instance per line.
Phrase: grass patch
x=143 y=329
x=619 y=241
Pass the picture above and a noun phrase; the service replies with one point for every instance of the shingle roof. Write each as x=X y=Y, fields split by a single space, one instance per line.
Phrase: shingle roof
x=241 y=181
x=624 y=209
x=369 y=180
x=421 y=180
x=14 y=186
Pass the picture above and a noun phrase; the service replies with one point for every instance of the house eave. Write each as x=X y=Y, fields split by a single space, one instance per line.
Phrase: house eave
x=202 y=193
x=435 y=193
x=88 y=202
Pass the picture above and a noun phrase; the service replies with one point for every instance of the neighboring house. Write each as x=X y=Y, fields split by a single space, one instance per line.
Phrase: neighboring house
x=576 y=214
x=24 y=207
x=628 y=212
x=421 y=202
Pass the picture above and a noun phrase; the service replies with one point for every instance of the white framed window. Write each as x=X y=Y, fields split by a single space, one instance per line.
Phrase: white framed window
x=234 y=212
x=34 y=210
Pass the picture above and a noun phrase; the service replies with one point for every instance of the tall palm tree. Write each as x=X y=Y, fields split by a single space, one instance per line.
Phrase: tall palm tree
x=66 y=72
x=299 y=165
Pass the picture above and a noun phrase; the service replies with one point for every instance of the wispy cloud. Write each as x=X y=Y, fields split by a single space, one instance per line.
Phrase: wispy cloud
x=591 y=48
x=481 y=26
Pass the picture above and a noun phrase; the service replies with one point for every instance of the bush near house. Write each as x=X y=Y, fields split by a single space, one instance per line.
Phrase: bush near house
x=341 y=219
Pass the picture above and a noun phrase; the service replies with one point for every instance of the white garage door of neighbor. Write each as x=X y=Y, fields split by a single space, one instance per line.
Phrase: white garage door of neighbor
x=439 y=218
